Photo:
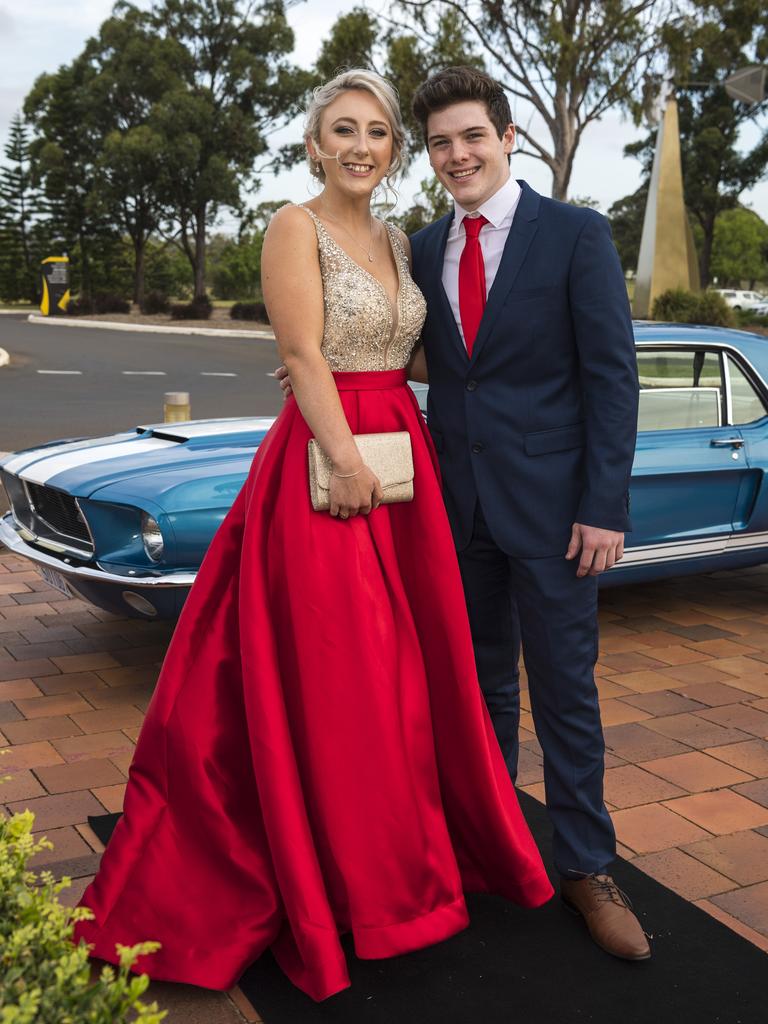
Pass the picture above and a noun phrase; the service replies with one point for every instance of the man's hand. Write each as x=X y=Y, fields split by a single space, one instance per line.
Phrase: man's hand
x=281 y=376
x=600 y=549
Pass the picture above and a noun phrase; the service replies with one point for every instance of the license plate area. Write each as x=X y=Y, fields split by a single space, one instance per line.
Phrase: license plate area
x=54 y=579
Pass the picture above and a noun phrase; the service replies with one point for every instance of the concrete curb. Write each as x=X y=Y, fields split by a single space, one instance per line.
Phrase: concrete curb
x=110 y=325
x=4 y=357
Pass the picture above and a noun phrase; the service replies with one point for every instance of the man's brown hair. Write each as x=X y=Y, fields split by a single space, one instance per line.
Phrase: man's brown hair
x=459 y=85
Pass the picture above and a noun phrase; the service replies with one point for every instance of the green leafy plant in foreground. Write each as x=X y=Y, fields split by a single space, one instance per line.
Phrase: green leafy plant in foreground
x=44 y=977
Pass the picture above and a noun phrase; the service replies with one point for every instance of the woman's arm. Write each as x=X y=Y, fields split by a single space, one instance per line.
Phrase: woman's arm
x=417 y=366
x=293 y=293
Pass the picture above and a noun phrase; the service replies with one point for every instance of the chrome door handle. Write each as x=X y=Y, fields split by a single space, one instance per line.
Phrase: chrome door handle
x=727 y=442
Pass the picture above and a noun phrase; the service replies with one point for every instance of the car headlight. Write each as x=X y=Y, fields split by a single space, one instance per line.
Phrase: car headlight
x=152 y=537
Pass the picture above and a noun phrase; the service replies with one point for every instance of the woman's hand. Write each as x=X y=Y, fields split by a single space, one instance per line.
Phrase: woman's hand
x=356 y=494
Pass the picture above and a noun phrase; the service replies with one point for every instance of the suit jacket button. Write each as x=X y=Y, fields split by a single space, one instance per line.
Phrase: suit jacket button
x=477 y=448
x=471 y=385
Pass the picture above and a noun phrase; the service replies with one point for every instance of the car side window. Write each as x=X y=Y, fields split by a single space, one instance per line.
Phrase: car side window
x=680 y=389
x=746 y=403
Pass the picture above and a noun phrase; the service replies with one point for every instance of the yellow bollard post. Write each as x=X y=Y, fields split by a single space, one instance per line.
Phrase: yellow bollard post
x=176 y=407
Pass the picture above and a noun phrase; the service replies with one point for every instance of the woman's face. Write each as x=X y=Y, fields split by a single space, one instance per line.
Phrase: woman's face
x=356 y=136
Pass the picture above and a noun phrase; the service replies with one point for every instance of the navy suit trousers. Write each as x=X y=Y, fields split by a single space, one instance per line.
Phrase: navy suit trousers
x=544 y=603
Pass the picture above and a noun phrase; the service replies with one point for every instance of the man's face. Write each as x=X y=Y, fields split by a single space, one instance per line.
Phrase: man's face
x=467 y=154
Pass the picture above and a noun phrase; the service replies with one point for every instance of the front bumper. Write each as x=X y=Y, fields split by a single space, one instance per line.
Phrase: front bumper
x=149 y=596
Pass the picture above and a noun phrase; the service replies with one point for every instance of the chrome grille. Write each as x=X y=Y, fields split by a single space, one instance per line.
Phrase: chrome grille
x=59 y=511
x=48 y=513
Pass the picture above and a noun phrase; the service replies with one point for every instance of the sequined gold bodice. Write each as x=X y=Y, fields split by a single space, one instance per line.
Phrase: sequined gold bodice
x=363 y=330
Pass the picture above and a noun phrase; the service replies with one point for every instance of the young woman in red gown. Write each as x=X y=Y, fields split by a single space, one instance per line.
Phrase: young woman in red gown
x=317 y=757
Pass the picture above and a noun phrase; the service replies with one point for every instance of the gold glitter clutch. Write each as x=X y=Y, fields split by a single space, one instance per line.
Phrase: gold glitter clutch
x=388 y=456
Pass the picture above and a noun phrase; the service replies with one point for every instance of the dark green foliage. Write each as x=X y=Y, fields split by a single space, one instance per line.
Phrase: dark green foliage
x=626 y=217
x=81 y=306
x=155 y=128
x=249 y=311
x=22 y=238
x=198 y=309
x=429 y=204
x=740 y=248
x=680 y=306
x=713 y=309
x=235 y=265
x=109 y=302
x=154 y=303
x=710 y=43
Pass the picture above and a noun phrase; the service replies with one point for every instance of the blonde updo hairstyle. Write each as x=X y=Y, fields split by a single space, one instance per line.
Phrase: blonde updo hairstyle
x=366 y=81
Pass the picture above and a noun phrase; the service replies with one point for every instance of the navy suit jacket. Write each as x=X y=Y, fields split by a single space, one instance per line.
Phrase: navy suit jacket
x=539 y=425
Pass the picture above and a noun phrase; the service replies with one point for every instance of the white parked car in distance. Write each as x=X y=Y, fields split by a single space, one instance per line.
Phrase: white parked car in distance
x=741 y=299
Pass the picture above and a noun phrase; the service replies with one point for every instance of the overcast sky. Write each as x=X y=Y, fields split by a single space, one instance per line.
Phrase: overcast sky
x=39 y=35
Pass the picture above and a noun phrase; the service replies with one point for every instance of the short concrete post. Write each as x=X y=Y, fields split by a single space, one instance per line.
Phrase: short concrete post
x=176 y=408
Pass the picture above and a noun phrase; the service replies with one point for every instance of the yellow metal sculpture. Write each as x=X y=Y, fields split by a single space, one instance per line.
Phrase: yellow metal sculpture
x=667 y=249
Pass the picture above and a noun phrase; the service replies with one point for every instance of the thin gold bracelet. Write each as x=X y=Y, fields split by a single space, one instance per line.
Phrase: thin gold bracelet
x=346 y=476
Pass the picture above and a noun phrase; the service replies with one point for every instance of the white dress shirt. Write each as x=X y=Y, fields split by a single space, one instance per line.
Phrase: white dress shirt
x=499 y=211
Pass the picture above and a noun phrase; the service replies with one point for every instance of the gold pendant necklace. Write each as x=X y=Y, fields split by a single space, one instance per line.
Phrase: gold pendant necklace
x=371 y=258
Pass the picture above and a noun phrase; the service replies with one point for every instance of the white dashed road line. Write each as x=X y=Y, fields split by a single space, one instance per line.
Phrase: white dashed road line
x=133 y=373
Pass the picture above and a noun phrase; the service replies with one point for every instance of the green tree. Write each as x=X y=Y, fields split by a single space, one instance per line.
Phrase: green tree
x=712 y=42
x=21 y=209
x=236 y=266
x=569 y=62
x=235 y=89
x=740 y=249
x=65 y=150
x=134 y=68
x=626 y=217
x=431 y=202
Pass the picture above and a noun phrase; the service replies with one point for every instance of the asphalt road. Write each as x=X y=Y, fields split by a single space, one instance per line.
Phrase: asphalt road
x=120 y=378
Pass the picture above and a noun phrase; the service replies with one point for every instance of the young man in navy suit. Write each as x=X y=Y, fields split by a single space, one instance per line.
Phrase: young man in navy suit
x=529 y=353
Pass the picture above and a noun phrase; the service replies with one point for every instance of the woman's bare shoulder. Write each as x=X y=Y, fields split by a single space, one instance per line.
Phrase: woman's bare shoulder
x=291 y=218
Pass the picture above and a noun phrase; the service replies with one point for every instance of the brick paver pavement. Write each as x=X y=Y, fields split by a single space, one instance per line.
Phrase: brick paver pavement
x=683 y=679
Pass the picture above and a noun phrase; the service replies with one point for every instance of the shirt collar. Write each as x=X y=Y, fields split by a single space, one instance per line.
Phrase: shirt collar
x=495 y=209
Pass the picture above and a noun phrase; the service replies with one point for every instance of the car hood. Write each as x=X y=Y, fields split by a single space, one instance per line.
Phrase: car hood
x=150 y=459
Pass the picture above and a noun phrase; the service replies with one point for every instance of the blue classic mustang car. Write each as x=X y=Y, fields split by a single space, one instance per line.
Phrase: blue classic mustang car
x=124 y=521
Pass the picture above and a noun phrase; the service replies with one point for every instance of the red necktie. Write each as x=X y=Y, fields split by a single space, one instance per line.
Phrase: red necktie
x=471 y=281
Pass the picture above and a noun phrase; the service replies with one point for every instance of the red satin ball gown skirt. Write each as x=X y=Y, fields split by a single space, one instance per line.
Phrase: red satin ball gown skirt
x=317 y=757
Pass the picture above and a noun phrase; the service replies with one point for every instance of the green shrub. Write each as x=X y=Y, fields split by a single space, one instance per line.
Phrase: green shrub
x=111 y=302
x=714 y=310
x=249 y=311
x=44 y=977
x=679 y=306
x=197 y=309
x=154 y=303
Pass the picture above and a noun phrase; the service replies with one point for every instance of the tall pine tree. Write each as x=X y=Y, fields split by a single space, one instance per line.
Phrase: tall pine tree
x=21 y=209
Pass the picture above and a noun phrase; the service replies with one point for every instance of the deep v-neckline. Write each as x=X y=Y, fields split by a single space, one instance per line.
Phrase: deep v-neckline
x=394 y=306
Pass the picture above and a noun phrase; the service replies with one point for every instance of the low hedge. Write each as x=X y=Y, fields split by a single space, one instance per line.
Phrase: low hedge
x=102 y=302
x=683 y=307
x=44 y=977
x=197 y=309
x=249 y=311
x=154 y=303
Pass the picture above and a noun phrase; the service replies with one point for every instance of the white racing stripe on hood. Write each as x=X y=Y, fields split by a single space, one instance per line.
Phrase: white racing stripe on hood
x=42 y=471
x=15 y=465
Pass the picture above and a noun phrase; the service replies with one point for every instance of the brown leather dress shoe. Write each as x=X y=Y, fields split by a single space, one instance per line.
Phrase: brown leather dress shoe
x=608 y=915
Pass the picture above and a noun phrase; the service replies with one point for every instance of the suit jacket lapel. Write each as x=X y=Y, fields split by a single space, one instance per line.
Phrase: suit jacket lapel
x=438 y=295
x=520 y=236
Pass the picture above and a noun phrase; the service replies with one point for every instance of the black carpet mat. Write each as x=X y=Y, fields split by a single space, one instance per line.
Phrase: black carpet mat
x=516 y=966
